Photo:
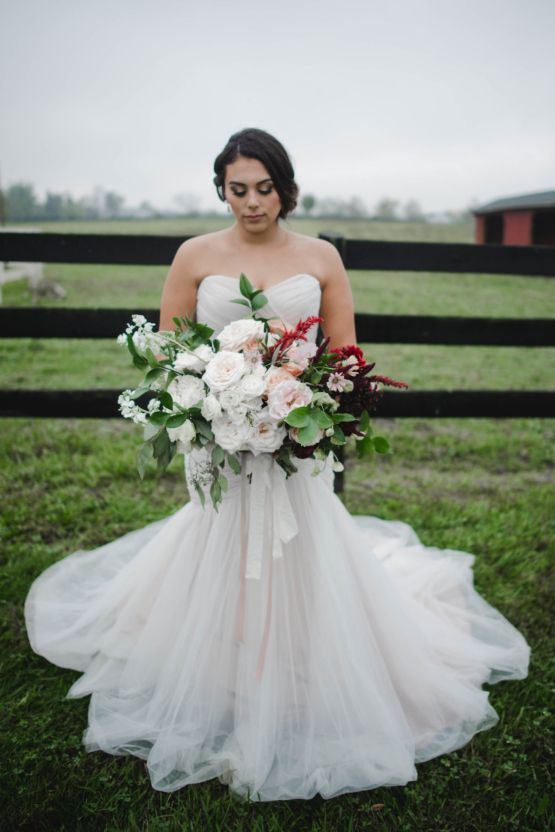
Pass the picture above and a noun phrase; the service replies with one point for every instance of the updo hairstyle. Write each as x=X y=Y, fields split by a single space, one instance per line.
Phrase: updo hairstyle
x=258 y=144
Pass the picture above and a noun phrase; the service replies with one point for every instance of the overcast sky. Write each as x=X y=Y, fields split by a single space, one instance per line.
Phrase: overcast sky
x=444 y=101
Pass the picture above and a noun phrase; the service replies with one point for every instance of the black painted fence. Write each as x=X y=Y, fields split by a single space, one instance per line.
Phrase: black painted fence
x=356 y=254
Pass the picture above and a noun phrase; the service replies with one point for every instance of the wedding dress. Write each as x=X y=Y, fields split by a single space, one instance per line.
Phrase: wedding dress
x=280 y=644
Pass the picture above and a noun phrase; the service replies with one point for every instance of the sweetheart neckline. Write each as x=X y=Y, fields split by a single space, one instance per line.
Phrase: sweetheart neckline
x=279 y=283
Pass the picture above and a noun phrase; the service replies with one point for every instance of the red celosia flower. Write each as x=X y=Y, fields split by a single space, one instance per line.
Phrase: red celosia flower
x=351 y=349
x=386 y=380
x=291 y=335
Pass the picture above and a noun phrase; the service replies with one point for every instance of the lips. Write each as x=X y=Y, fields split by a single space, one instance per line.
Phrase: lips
x=253 y=216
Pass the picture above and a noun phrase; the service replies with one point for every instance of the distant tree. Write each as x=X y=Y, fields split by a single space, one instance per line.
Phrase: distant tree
x=21 y=202
x=308 y=202
x=356 y=208
x=386 y=209
x=412 y=211
x=113 y=203
x=188 y=203
x=53 y=207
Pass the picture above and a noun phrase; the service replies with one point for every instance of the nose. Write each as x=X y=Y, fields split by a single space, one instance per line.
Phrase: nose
x=253 y=199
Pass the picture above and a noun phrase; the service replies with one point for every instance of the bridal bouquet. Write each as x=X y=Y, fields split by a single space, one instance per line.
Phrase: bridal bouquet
x=250 y=388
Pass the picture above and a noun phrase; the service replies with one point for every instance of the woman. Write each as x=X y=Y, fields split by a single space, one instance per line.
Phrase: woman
x=280 y=644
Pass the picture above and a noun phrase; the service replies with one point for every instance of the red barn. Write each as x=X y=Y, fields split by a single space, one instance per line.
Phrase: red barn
x=518 y=220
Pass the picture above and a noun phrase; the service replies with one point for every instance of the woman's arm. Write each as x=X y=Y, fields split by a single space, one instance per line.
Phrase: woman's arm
x=337 y=308
x=179 y=295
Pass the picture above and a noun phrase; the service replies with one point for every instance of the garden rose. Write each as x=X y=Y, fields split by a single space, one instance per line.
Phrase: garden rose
x=240 y=334
x=187 y=390
x=275 y=376
x=183 y=435
x=224 y=370
x=232 y=436
x=286 y=396
x=211 y=407
x=300 y=354
x=266 y=435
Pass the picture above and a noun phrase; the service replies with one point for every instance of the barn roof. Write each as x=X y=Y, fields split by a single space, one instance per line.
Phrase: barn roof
x=543 y=199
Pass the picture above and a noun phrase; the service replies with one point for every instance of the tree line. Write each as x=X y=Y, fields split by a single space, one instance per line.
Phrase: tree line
x=19 y=203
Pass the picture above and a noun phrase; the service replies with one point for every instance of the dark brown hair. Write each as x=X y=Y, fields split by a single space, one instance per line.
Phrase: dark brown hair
x=257 y=144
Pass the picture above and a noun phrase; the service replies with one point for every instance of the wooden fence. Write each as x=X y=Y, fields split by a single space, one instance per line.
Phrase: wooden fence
x=59 y=322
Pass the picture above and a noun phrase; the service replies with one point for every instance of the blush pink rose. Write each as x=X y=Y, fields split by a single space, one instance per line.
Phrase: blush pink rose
x=286 y=396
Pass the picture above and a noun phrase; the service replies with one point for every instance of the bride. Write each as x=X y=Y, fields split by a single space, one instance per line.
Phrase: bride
x=279 y=644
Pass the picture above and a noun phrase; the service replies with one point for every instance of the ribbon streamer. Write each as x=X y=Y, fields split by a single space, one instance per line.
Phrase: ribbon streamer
x=262 y=485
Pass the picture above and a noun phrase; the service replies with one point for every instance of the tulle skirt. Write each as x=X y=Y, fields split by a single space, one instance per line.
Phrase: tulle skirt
x=279 y=644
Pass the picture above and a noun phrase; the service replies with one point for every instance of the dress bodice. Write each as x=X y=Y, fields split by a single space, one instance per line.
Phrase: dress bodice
x=295 y=297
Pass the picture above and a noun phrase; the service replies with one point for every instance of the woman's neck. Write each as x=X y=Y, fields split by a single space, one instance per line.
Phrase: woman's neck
x=271 y=236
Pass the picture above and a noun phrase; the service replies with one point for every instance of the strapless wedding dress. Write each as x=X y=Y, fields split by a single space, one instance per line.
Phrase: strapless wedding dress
x=281 y=644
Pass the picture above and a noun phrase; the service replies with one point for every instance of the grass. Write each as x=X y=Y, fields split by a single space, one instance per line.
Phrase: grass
x=484 y=486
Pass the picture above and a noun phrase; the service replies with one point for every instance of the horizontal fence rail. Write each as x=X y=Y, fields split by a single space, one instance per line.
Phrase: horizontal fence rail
x=102 y=403
x=381 y=255
x=57 y=322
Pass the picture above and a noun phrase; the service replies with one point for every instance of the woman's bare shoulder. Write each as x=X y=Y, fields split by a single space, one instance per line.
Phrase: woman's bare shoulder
x=201 y=242
x=322 y=254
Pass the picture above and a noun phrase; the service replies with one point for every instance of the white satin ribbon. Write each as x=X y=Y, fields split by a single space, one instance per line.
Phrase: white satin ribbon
x=259 y=474
x=264 y=474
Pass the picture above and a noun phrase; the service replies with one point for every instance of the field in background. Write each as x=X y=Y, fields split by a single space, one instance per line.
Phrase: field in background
x=483 y=486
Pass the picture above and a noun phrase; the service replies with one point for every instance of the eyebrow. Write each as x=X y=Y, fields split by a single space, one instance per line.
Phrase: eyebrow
x=268 y=179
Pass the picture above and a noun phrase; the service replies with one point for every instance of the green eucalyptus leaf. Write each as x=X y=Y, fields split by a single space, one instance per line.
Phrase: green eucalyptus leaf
x=323 y=419
x=242 y=302
x=259 y=301
x=344 y=417
x=176 y=420
x=218 y=455
x=215 y=493
x=245 y=286
x=201 y=494
x=234 y=463
x=364 y=422
x=143 y=455
x=158 y=418
x=308 y=434
x=166 y=399
x=381 y=445
x=338 y=437
x=154 y=373
x=203 y=428
x=298 y=417
x=365 y=446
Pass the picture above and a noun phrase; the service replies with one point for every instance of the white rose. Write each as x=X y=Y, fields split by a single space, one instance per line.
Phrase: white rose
x=224 y=370
x=211 y=407
x=238 y=334
x=252 y=384
x=188 y=361
x=266 y=435
x=286 y=396
x=230 y=435
x=187 y=390
x=205 y=353
x=235 y=404
x=183 y=435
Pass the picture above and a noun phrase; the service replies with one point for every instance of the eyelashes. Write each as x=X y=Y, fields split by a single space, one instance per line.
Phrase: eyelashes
x=242 y=193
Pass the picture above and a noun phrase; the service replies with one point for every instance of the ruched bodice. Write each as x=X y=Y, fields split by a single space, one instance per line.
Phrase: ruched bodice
x=296 y=297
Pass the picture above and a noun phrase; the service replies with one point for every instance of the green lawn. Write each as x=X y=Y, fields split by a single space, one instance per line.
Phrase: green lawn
x=484 y=486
